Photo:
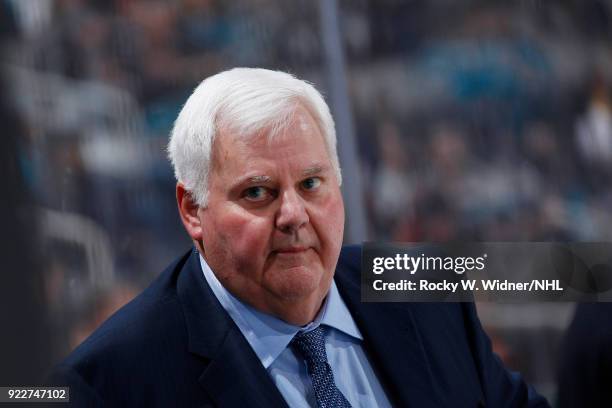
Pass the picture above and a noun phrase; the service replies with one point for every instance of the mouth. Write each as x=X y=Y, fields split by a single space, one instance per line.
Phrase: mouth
x=291 y=250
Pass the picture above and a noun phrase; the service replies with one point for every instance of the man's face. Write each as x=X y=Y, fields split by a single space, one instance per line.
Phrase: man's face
x=273 y=227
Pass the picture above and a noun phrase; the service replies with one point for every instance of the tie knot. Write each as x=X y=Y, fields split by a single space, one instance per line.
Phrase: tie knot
x=311 y=345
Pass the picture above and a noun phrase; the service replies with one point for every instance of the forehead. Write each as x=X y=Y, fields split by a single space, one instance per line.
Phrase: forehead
x=299 y=138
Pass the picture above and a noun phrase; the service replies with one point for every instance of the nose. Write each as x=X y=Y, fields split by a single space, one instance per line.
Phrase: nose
x=292 y=214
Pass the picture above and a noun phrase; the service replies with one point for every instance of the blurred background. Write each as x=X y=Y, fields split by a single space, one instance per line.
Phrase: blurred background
x=477 y=120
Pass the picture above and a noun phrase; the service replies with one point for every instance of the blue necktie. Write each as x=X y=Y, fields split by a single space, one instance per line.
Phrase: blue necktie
x=311 y=345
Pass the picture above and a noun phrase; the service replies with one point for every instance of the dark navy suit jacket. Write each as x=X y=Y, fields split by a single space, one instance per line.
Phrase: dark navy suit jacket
x=175 y=346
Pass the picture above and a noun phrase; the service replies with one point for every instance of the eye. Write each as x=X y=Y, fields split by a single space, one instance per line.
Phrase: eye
x=311 y=183
x=257 y=193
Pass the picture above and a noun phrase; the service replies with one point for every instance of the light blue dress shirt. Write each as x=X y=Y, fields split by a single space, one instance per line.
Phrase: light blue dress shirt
x=269 y=338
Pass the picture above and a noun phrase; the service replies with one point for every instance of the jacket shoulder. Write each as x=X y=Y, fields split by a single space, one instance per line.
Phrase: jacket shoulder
x=135 y=340
x=350 y=257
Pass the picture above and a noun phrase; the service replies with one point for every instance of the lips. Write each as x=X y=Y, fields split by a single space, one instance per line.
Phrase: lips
x=291 y=250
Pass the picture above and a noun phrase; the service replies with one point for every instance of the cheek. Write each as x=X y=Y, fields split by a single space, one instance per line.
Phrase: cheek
x=337 y=209
x=242 y=237
x=330 y=224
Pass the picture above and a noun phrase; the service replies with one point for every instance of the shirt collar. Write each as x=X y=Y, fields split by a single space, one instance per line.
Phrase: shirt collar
x=269 y=336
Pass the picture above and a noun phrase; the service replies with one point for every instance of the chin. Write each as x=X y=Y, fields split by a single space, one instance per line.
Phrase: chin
x=296 y=283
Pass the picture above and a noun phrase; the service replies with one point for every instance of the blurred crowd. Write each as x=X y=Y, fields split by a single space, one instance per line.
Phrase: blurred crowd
x=496 y=125
x=475 y=120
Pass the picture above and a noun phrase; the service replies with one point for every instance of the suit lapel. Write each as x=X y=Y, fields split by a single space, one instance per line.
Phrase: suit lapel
x=234 y=376
x=392 y=343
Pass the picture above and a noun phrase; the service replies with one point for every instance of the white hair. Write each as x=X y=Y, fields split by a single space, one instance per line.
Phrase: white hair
x=245 y=101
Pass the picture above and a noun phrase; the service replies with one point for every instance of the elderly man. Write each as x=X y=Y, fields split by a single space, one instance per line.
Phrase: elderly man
x=266 y=310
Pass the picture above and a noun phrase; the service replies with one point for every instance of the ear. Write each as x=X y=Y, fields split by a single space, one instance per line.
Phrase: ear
x=188 y=210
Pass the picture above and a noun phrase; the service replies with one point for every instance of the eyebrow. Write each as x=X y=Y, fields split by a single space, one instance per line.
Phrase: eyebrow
x=312 y=171
x=258 y=179
x=263 y=179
